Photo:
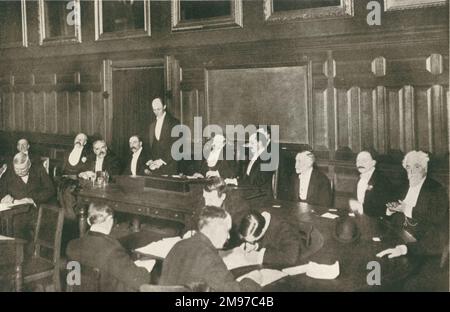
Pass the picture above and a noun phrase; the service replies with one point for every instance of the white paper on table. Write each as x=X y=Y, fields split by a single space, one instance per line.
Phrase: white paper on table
x=351 y=214
x=5 y=206
x=160 y=248
x=376 y=239
x=146 y=264
x=6 y=238
x=323 y=271
x=268 y=276
x=329 y=215
x=332 y=209
x=236 y=258
x=299 y=269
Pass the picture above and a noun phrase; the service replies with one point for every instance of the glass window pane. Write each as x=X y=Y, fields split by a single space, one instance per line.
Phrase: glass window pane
x=191 y=10
x=289 y=5
x=10 y=21
x=56 y=20
x=123 y=15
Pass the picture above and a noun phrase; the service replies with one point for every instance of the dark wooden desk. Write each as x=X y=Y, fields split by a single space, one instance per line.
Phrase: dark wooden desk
x=133 y=197
x=353 y=257
x=7 y=218
x=11 y=260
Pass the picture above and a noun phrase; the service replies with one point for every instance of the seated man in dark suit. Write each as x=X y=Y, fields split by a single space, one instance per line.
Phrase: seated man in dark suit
x=309 y=184
x=373 y=190
x=97 y=249
x=26 y=183
x=138 y=158
x=421 y=215
x=23 y=146
x=103 y=161
x=76 y=161
x=197 y=260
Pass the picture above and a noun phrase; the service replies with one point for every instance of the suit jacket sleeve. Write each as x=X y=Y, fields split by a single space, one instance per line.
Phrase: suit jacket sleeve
x=323 y=193
x=121 y=266
x=221 y=279
x=283 y=246
x=46 y=189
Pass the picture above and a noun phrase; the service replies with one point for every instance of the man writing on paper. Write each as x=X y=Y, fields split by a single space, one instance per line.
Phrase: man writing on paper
x=28 y=184
x=421 y=215
x=197 y=260
x=161 y=141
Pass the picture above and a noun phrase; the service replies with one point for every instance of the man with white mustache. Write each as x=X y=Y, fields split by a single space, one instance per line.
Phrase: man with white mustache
x=76 y=161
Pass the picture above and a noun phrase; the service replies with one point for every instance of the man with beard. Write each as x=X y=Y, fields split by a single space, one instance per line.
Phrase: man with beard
x=76 y=161
x=421 y=216
x=138 y=158
x=103 y=161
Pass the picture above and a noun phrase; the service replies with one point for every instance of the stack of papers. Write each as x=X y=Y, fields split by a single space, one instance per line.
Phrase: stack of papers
x=6 y=238
x=160 y=248
x=329 y=215
x=147 y=264
x=315 y=270
x=4 y=206
x=268 y=276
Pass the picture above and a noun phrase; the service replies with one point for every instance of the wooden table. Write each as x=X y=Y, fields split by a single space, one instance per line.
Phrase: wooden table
x=11 y=255
x=353 y=257
x=7 y=218
x=144 y=196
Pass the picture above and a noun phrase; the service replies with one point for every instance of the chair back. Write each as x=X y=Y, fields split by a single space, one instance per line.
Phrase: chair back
x=47 y=237
x=89 y=280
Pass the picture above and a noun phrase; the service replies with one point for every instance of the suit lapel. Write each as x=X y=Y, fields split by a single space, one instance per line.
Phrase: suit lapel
x=312 y=185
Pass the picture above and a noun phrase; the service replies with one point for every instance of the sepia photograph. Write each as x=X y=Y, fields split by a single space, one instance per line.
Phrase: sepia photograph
x=254 y=146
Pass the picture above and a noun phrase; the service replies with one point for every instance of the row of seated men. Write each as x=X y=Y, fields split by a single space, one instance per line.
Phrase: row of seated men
x=420 y=207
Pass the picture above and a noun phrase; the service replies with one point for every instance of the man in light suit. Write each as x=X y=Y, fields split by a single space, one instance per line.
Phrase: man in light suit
x=373 y=190
x=138 y=158
x=309 y=184
x=161 y=141
x=421 y=215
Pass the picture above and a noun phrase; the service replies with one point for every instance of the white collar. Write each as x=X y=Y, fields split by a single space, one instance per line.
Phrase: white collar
x=306 y=173
x=266 y=215
x=138 y=152
x=367 y=175
x=418 y=185
x=99 y=229
x=162 y=117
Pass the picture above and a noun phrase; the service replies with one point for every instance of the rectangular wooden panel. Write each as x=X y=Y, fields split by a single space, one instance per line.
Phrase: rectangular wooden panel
x=367 y=130
x=74 y=112
x=29 y=111
x=62 y=108
x=395 y=120
x=320 y=120
x=99 y=114
x=19 y=111
x=423 y=116
x=39 y=111
x=50 y=112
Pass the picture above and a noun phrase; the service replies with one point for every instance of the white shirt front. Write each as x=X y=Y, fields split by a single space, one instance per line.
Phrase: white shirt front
x=363 y=183
x=411 y=198
x=25 y=179
x=74 y=156
x=159 y=124
x=252 y=161
x=99 y=164
x=304 y=183
x=134 y=161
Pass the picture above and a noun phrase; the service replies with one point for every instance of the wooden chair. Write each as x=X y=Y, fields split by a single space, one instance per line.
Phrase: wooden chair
x=11 y=264
x=45 y=261
x=89 y=280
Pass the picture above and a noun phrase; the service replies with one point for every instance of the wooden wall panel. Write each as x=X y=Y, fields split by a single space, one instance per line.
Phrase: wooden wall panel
x=354 y=117
x=379 y=119
x=99 y=115
x=29 y=111
x=423 y=118
x=367 y=129
x=39 y=111
x=395 y=119
x=320 y=120
x=62 y=108
x=50 y=112
x=408 y=130
x=19 y=111
x=438 y=103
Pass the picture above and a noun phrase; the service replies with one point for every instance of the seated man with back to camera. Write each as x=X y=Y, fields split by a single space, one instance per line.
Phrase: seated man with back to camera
x=421 y=216
x=309 y=184
x=98 y=249
x=197 y=259
x=25 y=183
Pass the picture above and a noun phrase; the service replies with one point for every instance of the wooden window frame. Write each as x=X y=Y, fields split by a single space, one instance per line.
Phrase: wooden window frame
x=345 y=9
x=390 y=5
x=24 y=42
x=235 y=20
x=100 y=35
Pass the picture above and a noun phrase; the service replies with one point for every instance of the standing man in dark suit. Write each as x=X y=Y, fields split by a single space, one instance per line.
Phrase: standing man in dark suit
x=76 y=161
x=373 y=190
x=138 y=158
x=103 y=161
x=25 y=183
x=309 y=184
x=161 y=140
x=422 y=216
x=254 y=174
x=197 y=260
